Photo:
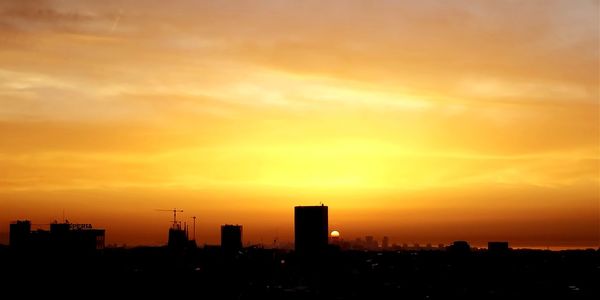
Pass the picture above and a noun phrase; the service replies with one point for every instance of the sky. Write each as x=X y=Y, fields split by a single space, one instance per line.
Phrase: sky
x=425 y=121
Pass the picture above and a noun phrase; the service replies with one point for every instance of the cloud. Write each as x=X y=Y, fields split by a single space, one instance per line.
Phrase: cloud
x=490 y=78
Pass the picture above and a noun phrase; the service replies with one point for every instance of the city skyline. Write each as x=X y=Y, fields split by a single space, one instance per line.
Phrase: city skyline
x=312 y=236
x=425 y=122
x=333 y=236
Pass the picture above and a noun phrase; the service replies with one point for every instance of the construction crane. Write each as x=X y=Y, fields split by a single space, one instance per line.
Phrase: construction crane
x=175 y=211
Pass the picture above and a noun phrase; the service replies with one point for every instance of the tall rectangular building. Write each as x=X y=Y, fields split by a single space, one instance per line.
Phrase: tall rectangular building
x=231 y=237
x=178 y=238
x=311 y=231
x=385 y=243
x=20 y=233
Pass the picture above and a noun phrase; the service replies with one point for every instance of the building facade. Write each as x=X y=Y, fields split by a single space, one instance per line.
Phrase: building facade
x=231 y=237
x=311 y=229
x=61 y=237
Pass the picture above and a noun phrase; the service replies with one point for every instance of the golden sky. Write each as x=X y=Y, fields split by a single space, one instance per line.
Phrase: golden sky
x=426 y=121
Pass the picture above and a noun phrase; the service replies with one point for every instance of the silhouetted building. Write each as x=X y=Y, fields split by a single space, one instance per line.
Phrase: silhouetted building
x=62 y=236
x=40 y=239
x=178 y=235
x=498 y=247
x=231 y=237
x=371 y=243
x=385 y=243
x=311 y=229
x=78 y=237
x=358 y=244
x=460 y=247
x=178 y=238
x=20 y=234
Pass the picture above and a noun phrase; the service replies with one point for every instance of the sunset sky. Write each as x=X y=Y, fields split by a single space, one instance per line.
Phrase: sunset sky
x=425 y=121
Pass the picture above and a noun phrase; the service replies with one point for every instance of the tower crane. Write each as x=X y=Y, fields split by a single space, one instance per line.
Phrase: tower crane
x=174 y=211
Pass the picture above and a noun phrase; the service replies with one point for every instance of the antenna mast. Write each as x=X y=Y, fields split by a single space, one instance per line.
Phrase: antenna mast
x=194 y=217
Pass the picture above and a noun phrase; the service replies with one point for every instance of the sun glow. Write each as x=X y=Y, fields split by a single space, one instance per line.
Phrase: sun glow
x=403 y=125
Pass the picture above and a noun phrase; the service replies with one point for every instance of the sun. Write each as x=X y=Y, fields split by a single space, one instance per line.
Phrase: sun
x=335 y=234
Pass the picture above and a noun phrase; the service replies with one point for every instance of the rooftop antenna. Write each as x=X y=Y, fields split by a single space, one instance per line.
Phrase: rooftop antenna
x=187 y=237
x=194 y=217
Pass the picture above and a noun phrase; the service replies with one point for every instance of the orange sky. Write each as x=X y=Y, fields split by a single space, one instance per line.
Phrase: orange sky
x=426 y=122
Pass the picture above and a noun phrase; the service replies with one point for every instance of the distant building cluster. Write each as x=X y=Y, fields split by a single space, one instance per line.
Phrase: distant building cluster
x=231 y=236
x=370 y=243
x=61 y=237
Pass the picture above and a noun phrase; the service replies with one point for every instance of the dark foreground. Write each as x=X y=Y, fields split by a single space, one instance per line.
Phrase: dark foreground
x=271 y=274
